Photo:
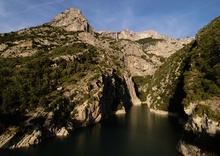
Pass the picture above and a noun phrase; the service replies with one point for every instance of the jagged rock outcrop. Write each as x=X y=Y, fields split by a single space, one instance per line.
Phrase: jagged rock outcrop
x=144 y=57
x=72 y=20
x=134 y=36
x=188 y=149
x=201 y=135
x=62 y=132
x=121 y=111
x=134 y=99
x=28 y=140
x=3 y=47
x=203 y=124
x=137 y=61
x=165 y=47
x=88 y=113
x=5 y=139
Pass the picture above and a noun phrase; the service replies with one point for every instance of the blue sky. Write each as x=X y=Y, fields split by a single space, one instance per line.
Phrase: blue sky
x=174 y=18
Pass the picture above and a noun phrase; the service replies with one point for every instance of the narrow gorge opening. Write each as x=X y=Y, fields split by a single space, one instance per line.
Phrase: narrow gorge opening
x=175 y=103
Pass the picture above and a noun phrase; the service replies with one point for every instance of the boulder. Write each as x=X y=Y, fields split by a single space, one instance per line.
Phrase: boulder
x=62 y=132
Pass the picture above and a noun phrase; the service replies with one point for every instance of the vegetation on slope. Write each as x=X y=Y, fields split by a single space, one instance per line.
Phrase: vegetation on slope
x=202 y=80
x=50 y=78
x=191 y=74
x=30 y=82
x=140 y=83
x=164 y=82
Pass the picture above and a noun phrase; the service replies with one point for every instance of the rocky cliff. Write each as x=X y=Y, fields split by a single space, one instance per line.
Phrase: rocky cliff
x=72 y=20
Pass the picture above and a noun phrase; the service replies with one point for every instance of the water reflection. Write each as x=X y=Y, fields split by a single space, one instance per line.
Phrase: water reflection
x=139 y=132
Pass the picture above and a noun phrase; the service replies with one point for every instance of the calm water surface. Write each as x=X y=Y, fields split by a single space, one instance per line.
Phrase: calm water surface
x=138 y=133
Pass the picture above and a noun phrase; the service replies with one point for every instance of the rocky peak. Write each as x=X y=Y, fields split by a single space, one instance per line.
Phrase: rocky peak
x=72 y=20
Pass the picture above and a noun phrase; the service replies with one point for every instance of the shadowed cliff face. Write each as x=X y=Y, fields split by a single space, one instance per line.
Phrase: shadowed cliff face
x=204 y=142
x=175 y=103
x=115 y=95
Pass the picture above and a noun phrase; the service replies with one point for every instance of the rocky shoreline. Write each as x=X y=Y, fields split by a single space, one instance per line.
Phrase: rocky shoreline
x=163 y=113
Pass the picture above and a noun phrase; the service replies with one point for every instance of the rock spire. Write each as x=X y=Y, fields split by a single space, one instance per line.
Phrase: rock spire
x=72 y=20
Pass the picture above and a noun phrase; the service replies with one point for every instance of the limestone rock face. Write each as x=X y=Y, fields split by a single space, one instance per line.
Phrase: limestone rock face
x=120 y=111
x=135 y=100
x=29 y=140
x=88 y=113
x=88 y=38
x=3 y=47
x=165 y=47
x=135 y=60
x=188 y=149
x=144 y=59
x=62 y=132
x=168 y=46
x=203 y=124
x=127 y=34
x=199 y=127
x=5 y=140
x=72 y=20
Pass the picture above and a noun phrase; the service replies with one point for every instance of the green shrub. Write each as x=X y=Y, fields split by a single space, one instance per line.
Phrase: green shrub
x=142 y=80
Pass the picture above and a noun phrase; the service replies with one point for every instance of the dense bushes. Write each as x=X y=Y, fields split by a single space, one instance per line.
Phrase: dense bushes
x=26 y=83
x=140 y=82
x=206 y=109
x=202 y=80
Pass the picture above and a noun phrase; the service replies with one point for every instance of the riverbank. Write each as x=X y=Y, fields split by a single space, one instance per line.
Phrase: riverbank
x=163 y=113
